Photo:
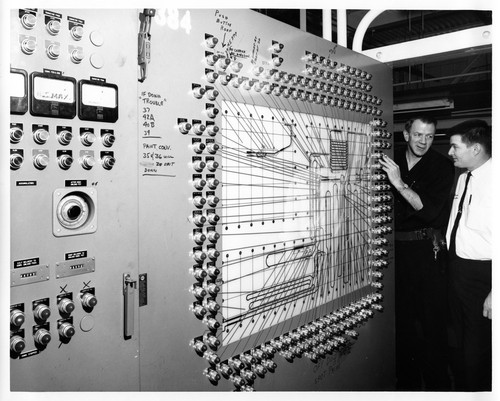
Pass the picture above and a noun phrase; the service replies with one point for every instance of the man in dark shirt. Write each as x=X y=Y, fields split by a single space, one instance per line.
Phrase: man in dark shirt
x=422 y=181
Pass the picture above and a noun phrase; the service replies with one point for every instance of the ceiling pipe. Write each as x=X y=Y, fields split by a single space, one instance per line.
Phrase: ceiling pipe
x=357 y=43
x=327 y=24
x=342 y=27
x=303 y=20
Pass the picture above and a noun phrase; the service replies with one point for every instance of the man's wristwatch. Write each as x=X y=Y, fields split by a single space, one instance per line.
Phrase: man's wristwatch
x=404 y=187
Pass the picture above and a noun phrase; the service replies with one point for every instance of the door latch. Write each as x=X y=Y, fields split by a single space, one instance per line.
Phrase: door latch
x=144 y=49
x=129 y=287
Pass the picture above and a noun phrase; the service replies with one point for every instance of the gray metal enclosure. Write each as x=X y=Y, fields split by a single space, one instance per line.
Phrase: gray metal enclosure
x=214 y=219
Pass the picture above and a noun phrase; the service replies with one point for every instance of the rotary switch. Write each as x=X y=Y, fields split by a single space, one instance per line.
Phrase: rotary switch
x=108 y=139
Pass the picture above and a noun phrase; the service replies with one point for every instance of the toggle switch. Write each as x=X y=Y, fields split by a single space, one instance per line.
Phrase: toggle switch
x=212 y=131
x=199 y=183
x=199 y=256
x=212 y=76
x=199 y=220
x=212 y=200
x=211 y=41
x=212 y=165
x=199 y=128
x=213 y=254
x=198 y=92
x=199 y=238
x=212 y=112
x=198 y=165
x=212 y=148
x=213 y=218
x=212 y=94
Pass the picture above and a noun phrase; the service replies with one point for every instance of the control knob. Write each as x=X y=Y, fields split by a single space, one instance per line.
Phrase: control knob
x=199 y=238
x=213 y=218
x=199 y=201
x=212 y=112
x=42 y=337
x=213 y=253
x=199 y=220
x=199 y=183
x=108 y=139
x=28 y=21
x=89 y=300
x=40 y=136
x=212 y=94
x=213 y=236
x=199 y=128
x=66 y=306
x=17 y=344
x=212 y=131
x=77 y=32
x=40 y=161
x=17 y=317
x=53 y=27
x=212 y=165
x=64 y=137
x=16 y=134
x=212 y=200
x=16 y=160
x=184 y=127
x=108 y=162
x=199 y=256
x=88 y=138
x=66 y=330
x=212 y=148
x=77 y=56
x=87 y=162
x=53 y=51
x=41 y=312
x=211 y=41
x=65 y=161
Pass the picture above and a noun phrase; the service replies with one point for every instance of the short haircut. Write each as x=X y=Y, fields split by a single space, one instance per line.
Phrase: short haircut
x=472 y=132
x=424 y=118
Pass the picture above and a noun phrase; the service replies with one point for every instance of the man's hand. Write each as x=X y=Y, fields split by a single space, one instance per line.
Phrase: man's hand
x=487 y=306
x=392 y=170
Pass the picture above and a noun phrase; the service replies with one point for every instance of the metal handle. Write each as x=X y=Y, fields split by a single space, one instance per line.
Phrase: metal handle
x=129 y=287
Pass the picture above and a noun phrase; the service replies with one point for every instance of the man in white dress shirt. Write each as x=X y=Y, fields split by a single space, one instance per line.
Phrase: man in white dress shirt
x=470 y=248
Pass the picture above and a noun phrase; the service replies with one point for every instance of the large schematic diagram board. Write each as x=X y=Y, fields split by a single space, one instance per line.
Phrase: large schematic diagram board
x=276 y=137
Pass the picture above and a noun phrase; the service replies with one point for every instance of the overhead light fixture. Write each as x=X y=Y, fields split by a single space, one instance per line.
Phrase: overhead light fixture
x=425 y=105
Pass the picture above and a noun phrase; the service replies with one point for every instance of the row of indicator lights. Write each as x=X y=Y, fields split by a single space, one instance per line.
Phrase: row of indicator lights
x=41 y=313
x=53 y=26
x=329 y=63
x=53 y=50
x=198 y=128
x=314 y=340
x=64 y=136
x=64 y=160
x=223 y=63
x=211 y=42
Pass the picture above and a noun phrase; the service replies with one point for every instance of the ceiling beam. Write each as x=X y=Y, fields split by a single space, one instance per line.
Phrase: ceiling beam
x=462 y=41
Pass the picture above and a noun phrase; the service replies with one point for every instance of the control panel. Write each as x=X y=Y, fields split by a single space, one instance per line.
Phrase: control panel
x=73 y=184
x=197 y=204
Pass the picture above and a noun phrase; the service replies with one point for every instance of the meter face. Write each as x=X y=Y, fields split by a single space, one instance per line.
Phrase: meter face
x=99 y=96
x=53 y=90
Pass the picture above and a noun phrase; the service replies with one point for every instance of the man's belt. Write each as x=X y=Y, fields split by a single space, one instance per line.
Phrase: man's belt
x=417 y=235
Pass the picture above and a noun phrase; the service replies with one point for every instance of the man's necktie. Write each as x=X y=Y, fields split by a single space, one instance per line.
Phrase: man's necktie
x=458 y=216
